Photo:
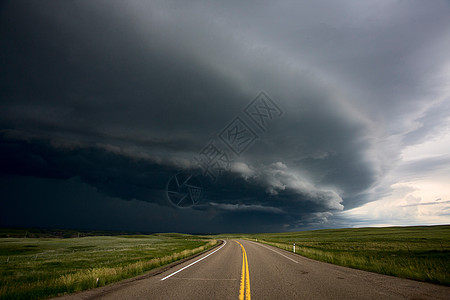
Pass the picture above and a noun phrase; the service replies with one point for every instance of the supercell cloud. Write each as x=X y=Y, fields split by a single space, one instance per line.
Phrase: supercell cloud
x=103 y=102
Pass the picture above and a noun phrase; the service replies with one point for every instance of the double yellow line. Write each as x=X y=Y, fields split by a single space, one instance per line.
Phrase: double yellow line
x=244 y=291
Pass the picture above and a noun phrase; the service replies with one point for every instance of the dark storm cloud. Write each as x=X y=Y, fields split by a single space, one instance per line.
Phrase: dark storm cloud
x=72 y=69
x=113 y=174
x=118 y=97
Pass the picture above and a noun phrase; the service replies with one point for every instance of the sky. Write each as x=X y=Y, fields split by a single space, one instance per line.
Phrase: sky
x=224 y=116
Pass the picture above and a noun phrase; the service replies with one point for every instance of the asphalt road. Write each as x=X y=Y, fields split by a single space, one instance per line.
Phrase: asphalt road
x=244 y=270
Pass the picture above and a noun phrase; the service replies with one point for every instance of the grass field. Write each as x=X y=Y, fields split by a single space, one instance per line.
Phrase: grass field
x=420 y=253
x=45 y=266
x=34 y=268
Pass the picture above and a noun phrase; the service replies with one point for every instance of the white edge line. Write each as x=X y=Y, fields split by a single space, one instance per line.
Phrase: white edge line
x=277 y=252
x=225 y=242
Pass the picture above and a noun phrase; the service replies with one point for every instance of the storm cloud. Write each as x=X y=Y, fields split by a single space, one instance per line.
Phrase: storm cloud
x=103 y=102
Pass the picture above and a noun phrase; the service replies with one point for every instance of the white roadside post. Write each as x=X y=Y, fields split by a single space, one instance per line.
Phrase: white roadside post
x=294 y=247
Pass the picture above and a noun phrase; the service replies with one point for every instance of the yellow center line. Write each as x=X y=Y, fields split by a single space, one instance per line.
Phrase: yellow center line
x=244 y=290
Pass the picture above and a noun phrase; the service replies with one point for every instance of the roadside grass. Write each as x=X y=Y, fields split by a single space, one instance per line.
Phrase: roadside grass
x=420 y=253
x=36 y=268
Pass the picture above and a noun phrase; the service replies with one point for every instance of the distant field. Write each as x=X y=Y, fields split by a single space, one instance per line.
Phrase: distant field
x=32 y=268
x=420 y=253
x=57 y=233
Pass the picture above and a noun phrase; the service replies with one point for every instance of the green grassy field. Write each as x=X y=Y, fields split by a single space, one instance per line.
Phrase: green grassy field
x=420 y=253
x=45 y=266
x=33 y=268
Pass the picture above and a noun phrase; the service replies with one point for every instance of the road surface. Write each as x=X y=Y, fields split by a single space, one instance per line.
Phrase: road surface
x=240 y=269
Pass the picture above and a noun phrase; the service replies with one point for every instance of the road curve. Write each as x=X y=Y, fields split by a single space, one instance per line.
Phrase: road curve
x=244 y=270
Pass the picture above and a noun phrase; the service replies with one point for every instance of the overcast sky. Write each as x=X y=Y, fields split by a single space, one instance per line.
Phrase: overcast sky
x=329 y=114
